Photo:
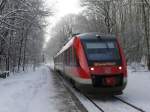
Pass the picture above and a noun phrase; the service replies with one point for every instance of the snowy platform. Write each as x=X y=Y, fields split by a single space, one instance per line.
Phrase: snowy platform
x=39 y=91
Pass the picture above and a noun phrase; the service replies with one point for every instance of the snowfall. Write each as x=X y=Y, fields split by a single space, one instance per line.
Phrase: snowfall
x=43 y=91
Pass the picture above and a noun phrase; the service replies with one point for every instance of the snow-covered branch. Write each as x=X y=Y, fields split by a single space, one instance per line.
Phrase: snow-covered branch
x=20 y=22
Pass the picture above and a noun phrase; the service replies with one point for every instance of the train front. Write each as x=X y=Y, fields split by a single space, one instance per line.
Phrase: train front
x=106 y=62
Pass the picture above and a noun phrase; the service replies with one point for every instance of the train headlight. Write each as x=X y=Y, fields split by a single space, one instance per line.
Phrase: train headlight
x=120 y=68
x=92 y=69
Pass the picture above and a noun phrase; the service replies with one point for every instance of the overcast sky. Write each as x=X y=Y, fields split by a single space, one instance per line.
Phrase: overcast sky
x=61 y=8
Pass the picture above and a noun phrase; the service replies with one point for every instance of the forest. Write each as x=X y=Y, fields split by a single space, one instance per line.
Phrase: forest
x=130 y=19
x=23 y=24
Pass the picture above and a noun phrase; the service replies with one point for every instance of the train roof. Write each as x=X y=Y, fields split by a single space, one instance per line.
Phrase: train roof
x=65 y=46
x=96 y=35
x=87 y=36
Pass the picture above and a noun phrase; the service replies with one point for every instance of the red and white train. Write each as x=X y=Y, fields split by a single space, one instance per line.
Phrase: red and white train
x=93 y=62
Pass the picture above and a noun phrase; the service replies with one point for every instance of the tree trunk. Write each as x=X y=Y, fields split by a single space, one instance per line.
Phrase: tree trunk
x=20 y=49
x=146 y=29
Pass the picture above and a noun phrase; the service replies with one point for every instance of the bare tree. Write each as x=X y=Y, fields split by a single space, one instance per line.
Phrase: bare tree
x=22 y=24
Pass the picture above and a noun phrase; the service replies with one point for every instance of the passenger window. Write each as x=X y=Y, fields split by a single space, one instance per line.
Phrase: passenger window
x=70 y=49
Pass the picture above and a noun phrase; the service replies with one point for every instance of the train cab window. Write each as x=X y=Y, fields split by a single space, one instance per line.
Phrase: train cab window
x=102 y=50
x=76 y=63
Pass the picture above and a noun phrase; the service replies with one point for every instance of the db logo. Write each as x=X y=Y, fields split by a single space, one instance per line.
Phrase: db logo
x=108 y=70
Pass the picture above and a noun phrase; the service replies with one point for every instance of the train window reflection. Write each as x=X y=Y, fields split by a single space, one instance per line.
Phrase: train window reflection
x=100 y=45
x=102 y=51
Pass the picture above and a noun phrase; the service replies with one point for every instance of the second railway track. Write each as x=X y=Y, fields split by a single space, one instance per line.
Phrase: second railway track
x=113 y=104
x=137 y=108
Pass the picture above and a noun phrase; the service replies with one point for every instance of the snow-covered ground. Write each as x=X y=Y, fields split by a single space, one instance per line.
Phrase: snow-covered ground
x=137 y=91
x=43 y=91
x=38 y=91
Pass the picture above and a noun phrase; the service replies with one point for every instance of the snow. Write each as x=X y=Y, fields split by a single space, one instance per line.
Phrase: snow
x=137 y=91
x=43 y=91
x=84 y=101
x=37 y=91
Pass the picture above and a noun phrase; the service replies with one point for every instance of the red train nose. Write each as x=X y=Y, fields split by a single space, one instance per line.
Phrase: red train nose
x=110 y=81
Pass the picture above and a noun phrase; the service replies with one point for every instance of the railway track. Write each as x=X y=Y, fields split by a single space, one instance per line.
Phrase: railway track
x=98 y=107
x=115 y=98
x=135 y=107
x=94 y=105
